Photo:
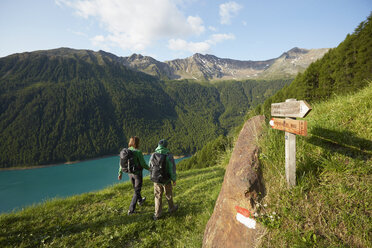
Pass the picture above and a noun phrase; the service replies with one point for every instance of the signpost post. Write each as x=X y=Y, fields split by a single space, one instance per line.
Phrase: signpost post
x=291 y=109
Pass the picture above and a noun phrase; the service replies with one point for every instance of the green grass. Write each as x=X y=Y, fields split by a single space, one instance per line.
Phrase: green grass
x=331 y=205
x=100 y=219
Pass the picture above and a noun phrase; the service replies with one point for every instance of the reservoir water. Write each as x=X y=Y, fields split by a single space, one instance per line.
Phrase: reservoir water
x=21 y=188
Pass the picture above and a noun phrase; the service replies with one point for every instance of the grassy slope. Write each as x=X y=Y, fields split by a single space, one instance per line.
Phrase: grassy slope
x=331 y=206
x=100 y=219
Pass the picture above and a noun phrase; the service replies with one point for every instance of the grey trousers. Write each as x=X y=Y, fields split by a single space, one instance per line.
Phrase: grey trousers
x=158 y=191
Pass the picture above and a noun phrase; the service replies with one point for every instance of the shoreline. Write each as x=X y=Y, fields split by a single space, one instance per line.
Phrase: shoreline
x=181 y=156
x=51 y=165
x=69 y=163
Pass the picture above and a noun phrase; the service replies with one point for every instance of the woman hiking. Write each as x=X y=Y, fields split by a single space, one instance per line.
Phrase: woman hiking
x=136 y=176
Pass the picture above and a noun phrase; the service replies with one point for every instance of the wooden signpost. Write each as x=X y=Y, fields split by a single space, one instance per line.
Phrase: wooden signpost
x=289 y=125
x=291 y=109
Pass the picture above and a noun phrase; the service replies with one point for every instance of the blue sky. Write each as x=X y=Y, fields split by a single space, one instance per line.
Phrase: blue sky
x=170 y=29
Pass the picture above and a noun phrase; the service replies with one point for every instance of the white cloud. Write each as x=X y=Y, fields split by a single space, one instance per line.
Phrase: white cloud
x=135 y=24
x=217 y=38
x=194 y=47
x=211 y=28
x=198 y=47
x=229 y=10
x=196 y=24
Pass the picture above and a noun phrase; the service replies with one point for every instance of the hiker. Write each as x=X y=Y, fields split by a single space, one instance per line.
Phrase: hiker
x=135 y=176
x=163 y=173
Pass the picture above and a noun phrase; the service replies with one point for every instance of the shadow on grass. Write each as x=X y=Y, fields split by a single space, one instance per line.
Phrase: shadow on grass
x=332 y=142
x=195 y=172
x=344 y=143
x=63 y=228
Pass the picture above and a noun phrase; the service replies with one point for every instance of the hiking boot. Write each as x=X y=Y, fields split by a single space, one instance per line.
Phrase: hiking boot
x=174 y=209
x=131 y=212
x=142 y=201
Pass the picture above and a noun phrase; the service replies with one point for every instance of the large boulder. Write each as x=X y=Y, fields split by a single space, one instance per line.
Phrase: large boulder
x=242 y=187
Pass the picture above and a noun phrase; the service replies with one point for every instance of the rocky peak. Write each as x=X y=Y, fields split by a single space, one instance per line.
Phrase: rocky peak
x=139 y=62
x=298 y=50
x=135 y=56
x=210 y=67
x=208 y=57
x=294 y=52
x=139 y=58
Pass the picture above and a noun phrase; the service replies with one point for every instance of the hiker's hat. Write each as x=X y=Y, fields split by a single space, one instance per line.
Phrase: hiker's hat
x=163 y=142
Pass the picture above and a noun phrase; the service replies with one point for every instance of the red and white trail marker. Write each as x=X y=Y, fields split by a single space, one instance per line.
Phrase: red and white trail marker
x=243 y=216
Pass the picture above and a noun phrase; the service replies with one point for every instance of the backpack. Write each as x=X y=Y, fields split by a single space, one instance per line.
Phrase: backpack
x=127 y=161
x=171 y=159
x=158 y=170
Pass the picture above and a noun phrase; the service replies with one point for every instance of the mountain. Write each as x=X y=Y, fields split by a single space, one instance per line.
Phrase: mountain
x=148 y=65
x=295 y=61
x=209 y=67
x=342 y=70
x=64 y=105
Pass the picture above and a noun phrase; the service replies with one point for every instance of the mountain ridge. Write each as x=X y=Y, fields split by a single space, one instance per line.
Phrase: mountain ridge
x=201 y=67
x=210 y=67
x=65 y=105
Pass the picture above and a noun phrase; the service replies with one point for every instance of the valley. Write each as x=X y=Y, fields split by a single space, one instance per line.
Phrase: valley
x=63 y=105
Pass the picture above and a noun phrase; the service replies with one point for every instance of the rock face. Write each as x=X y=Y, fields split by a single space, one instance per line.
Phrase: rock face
x=149 y=65
x=241 y=187
x=209 y=67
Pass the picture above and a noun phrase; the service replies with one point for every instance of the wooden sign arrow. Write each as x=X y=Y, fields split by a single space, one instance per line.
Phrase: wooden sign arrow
x=295 y=109
x=290 y=126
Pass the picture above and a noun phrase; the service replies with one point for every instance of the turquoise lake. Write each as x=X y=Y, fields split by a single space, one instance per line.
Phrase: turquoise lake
x=21 y=188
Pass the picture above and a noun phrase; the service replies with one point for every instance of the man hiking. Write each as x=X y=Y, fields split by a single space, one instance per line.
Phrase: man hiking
x=163 y=173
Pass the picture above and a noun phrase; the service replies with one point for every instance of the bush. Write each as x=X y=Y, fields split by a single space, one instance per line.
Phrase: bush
x=208 y=155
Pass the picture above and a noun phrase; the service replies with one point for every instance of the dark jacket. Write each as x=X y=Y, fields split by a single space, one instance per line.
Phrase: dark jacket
x=138 y=159
x=170 y=165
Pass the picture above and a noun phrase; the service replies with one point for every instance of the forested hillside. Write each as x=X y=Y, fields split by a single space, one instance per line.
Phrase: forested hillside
x=330 y=204
x=65 y=105
x=343 y=69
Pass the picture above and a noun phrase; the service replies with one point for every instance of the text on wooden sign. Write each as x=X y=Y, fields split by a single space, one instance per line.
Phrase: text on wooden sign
x=289 y=125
